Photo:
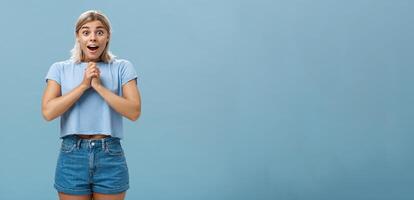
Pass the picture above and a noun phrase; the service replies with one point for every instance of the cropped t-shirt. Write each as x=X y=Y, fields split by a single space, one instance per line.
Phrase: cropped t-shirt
x=90 y=114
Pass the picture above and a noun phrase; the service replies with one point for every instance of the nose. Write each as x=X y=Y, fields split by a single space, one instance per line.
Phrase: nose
x=92 y=37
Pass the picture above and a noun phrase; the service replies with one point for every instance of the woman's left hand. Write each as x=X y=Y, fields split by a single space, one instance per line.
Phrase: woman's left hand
x=96 y=81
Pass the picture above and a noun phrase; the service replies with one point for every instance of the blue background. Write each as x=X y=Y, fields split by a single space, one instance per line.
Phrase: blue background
x=240 y=99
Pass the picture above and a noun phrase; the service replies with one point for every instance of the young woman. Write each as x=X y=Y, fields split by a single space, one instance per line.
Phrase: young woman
x=91 y=92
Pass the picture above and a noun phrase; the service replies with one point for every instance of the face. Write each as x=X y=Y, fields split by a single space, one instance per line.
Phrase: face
x=92 y=38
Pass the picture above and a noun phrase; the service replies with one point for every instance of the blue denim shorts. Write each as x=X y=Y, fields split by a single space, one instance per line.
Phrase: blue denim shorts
x=85 y=166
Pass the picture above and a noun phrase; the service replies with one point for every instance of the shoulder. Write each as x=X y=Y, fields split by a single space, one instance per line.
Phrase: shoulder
x=122 y=66
x=121 y=62
x=62 y=64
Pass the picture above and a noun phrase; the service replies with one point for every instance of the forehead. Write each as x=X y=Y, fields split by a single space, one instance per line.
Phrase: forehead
x=93 y=25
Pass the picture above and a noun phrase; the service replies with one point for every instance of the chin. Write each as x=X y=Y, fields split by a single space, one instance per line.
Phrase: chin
x=94 y=59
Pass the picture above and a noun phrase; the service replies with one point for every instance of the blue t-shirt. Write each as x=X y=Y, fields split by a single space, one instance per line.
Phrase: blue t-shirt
x=90 y=114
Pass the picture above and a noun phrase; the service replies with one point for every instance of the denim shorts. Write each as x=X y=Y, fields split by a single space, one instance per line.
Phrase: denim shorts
x=85 y=166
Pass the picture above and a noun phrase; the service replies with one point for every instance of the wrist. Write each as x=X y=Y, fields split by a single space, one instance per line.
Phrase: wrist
x=97 y=86
x=83 y=87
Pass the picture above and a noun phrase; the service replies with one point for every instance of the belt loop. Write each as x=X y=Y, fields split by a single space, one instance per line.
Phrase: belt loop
x=78 y=143
x=103 y=143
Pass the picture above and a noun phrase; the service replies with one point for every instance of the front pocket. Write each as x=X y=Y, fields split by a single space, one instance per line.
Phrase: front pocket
x=67 y=148
x=114 y=149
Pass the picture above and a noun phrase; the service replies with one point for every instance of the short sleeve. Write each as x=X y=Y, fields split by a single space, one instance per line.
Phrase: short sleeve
x=128 y=72
x=54 y=73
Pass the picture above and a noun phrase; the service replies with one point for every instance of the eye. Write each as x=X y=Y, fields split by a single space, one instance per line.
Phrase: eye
x=100 y=33
x=85 y=33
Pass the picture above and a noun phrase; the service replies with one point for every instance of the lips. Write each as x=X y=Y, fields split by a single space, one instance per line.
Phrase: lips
x=92 y=47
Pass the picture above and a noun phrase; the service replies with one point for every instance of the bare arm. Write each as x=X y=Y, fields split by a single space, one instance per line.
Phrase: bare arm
x=54 y=104
x=129 y=105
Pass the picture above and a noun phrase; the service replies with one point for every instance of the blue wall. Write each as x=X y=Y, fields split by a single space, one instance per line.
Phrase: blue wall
x=241 y=100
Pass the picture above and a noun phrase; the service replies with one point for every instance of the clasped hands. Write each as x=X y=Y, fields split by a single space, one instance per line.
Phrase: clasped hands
x=91 y=77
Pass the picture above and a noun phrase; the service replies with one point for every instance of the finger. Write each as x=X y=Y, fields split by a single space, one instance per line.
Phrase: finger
x=91 y=74
x=94 y=68
x=91 y=64
x=91 y=70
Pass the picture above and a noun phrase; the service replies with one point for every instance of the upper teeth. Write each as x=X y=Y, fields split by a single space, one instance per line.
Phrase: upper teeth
x=92 y=46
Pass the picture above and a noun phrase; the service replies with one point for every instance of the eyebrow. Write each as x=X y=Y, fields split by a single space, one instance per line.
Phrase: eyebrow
x=87 y=27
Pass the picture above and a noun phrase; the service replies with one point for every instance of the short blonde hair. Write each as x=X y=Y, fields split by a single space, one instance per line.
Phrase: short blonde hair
x=77 y=54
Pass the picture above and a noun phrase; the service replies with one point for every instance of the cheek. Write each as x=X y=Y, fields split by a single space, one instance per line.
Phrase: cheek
x=82 y=41
x=82 y=45
x=103 y=44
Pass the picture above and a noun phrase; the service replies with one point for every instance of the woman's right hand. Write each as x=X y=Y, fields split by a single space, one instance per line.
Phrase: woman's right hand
x=91 y=71
x=54 y=104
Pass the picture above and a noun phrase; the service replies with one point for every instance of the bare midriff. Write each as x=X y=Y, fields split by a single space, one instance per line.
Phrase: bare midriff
x=92 y=137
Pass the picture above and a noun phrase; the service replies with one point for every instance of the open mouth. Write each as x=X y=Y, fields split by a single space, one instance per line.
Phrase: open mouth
x=92 y=47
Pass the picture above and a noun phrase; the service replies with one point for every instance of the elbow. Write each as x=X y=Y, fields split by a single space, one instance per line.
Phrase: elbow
x=134 y=116
x=47 y=116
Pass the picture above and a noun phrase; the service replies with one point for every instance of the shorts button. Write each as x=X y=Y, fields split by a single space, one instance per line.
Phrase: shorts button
x=93 y=143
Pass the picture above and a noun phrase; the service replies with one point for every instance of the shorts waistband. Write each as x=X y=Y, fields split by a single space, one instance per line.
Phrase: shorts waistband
x=92 y=136
x=74 y=139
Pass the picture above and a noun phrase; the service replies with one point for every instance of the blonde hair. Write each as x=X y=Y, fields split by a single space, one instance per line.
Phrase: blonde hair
x=77 y=54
